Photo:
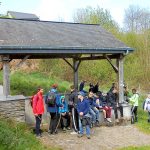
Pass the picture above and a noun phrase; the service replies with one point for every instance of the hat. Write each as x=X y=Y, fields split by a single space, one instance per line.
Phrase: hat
x=81 y=93
x=55 y=85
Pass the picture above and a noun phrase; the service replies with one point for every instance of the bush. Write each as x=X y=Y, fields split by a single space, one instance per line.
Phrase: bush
x=17 y=136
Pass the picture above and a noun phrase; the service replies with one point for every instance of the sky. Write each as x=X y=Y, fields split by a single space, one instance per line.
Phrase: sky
x=57 y=10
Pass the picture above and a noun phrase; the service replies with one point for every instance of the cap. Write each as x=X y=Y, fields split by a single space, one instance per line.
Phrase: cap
x=81 y=93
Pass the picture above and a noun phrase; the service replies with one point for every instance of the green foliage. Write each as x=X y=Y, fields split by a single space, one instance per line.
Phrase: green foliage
x=27 y=84
x=95 y=16
x=143 y=124
x=17 y=136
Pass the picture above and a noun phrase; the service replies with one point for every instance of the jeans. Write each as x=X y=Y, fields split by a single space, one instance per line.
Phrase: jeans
x=93 y=114
x=97 y=113
x=37 y=125
x=82 y=130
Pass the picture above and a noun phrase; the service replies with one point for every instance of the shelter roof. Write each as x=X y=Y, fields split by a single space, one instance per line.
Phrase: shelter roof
x=45 y=38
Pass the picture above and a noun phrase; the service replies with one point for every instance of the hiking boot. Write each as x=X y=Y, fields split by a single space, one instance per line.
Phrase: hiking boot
x=88 y=137
x=80 y=135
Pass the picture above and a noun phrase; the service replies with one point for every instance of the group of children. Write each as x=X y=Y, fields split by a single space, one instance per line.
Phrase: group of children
x=81 y=109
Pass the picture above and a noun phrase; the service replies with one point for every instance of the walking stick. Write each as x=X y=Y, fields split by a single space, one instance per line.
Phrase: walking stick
x=58 y=123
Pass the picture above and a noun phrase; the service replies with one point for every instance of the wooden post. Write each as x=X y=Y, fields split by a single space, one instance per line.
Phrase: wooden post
x=120 y=78
x=75 y=66
x=6 y=74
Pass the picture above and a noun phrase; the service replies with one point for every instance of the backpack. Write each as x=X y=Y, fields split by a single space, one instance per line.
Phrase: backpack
x=31 y=100
x=51 y=99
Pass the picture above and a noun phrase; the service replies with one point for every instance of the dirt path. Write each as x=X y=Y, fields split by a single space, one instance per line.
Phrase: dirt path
x=103 y=138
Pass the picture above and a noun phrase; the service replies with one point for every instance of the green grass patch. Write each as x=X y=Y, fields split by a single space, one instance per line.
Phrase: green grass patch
x=142 y=124
x=27 y=83
x=17 y=136
x=136 y=148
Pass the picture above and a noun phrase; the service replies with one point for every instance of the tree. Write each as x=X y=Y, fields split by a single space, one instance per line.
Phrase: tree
x=136 y=19
x=95 y=16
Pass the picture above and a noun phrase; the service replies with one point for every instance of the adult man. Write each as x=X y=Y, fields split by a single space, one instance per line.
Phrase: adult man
x=52 y=101
x=38 y=110
x=113 y=101
x=72 y=105
x=84 y=117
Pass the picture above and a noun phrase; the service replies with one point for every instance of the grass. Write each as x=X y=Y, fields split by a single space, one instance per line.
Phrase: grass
x=136 y=148
x=26 y=84
x=18 y=136
x=142 y=124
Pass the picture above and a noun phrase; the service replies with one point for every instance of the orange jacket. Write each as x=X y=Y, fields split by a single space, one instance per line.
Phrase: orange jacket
x=38 y=104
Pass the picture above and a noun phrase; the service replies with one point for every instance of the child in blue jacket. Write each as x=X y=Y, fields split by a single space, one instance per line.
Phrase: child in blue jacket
x=64 y=114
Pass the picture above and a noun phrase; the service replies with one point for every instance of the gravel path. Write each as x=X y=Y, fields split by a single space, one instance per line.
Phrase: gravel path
x=103 y=138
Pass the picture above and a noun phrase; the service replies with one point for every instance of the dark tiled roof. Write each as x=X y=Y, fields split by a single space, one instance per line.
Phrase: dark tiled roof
x=57 y=35
x=20 y=15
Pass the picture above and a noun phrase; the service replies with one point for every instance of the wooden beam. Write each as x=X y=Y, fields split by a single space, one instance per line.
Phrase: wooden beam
x=92 y=57
x=21 y=62
x=110 y=61
x=121 y=79
x=75 y=65
x=68 y=63
x=6 y=74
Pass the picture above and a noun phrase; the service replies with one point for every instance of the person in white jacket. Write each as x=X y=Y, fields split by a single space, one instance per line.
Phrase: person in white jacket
x=147 y=106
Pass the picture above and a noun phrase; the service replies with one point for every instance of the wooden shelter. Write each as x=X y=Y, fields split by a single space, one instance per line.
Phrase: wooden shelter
x=28 y=39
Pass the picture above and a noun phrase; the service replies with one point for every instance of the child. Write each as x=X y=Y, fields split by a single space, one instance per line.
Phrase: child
x=63 y=110
x=147 y=106
x=134 y=101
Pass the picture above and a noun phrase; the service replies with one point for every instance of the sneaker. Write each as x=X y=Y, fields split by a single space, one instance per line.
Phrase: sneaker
x=117 y=120
x=56 y=132
x=68 y=128
x=64 y=129
x=88 y=137
x=39 y=136
x=80 y=135
x=73 y=133
x=109 y=119
x=97 y=124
